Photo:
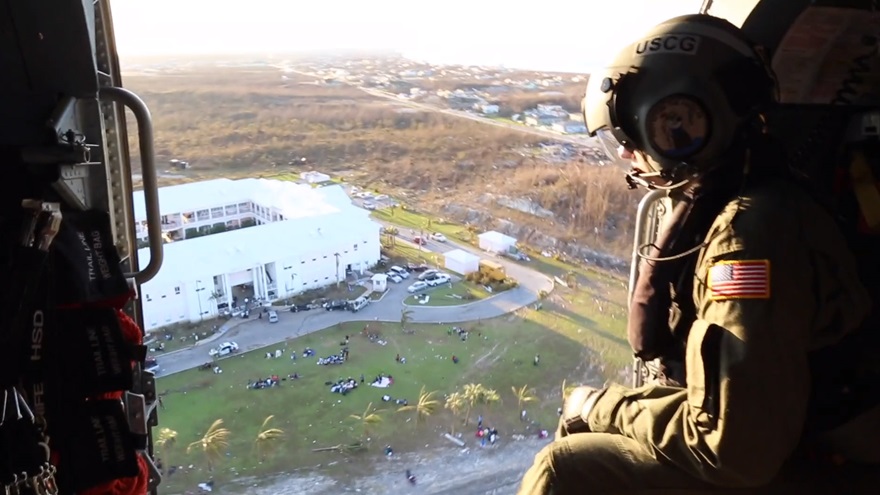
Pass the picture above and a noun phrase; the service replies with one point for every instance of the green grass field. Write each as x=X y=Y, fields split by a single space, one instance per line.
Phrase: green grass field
x=410 y=220
x=467 y=292
x=575 y=328
x=404 y=253
x=498 y=354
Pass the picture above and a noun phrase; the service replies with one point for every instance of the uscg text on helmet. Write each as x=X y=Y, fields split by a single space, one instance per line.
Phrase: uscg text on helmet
x=685 y=44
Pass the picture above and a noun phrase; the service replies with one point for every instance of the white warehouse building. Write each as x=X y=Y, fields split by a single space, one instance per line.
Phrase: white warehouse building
x=298 y=238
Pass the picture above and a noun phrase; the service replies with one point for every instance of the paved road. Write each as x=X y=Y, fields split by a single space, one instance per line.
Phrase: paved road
x=258 y=333
x=577 y=140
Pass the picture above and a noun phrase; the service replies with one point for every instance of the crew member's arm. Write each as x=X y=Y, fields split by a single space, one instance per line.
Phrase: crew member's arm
x=759 y=293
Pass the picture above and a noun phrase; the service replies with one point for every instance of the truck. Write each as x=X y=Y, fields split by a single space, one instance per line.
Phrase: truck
x=493 y=270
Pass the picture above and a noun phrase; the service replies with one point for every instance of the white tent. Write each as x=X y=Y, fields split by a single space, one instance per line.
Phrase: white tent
x=462 y=262
x=495 y=242
x=380 y=282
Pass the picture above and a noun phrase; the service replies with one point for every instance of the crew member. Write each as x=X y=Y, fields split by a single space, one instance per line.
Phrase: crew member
x=752 y=270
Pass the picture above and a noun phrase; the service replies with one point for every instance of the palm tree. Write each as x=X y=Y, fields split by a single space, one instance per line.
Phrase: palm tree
x=456 y=404
x=166 y=440
x=523 y=395
x=267 y=438
x=488 y=397
x=368 y=419
x=405 y=317
x=212 y=443
x=472 y=233
x=472 y=394
x=424 y=408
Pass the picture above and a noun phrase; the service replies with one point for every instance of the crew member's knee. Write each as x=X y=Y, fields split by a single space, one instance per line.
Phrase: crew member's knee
x=540 y=479
x=598 y=462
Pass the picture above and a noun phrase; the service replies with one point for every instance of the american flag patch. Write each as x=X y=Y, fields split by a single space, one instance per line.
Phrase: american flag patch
x=745 y=279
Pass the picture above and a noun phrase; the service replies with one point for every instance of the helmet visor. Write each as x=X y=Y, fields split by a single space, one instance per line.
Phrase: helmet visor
x=600 y=105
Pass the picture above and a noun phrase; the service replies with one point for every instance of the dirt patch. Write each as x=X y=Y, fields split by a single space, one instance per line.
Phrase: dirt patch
x=479 y=361
x=443 y=470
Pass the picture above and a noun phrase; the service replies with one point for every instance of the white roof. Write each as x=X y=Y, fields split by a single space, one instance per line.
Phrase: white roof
x=291 y=199
x=497 y=237
x=240 y=249
x=461 y=256
x=379 y=277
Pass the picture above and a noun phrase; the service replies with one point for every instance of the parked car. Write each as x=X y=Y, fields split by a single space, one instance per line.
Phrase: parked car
x=399 y=271
x=440 y=279
x=428 y=274
x=394 y=277
x=150 y=364
x=369 y=205
x=418 y=241
x=437 y=236
x=336 y=305
x=273 y=317
x=296 y=308
x=223 y=349
x=416 y=268
x=417 y=287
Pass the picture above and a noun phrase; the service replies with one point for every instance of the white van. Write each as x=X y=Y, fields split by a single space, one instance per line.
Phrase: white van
x=358 y=304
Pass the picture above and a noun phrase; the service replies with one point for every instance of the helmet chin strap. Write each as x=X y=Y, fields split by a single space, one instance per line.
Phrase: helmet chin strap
x=638 y=178
x=645 y=248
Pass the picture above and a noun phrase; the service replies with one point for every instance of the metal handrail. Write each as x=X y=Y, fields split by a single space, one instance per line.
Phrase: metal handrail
x=148 y=171
x=647 y=221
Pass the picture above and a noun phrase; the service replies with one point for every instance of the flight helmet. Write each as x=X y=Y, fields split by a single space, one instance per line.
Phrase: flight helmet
x=681 y=94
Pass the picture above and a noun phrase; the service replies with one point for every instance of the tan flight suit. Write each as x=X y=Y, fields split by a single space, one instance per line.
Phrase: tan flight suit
x=741 y=416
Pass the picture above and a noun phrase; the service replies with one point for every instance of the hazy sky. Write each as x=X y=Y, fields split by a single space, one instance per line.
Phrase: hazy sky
x=570 y=35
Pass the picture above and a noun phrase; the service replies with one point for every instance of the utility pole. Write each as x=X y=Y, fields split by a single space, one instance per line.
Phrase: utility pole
x=199 y=298
x=337 y=269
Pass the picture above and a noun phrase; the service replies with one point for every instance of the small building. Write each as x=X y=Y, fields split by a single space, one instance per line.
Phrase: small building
x=495 y=242
x=314 y=177
x=570 y=127
x=380 y=282
x=462 y=262
x=490 y=109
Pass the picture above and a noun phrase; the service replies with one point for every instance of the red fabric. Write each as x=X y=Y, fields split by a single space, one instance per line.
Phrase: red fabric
x=129 y=328
x=132 y=334
x=136 y=485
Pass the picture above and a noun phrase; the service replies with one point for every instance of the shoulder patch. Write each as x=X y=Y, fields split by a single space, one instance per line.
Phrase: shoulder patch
x=739 y=279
